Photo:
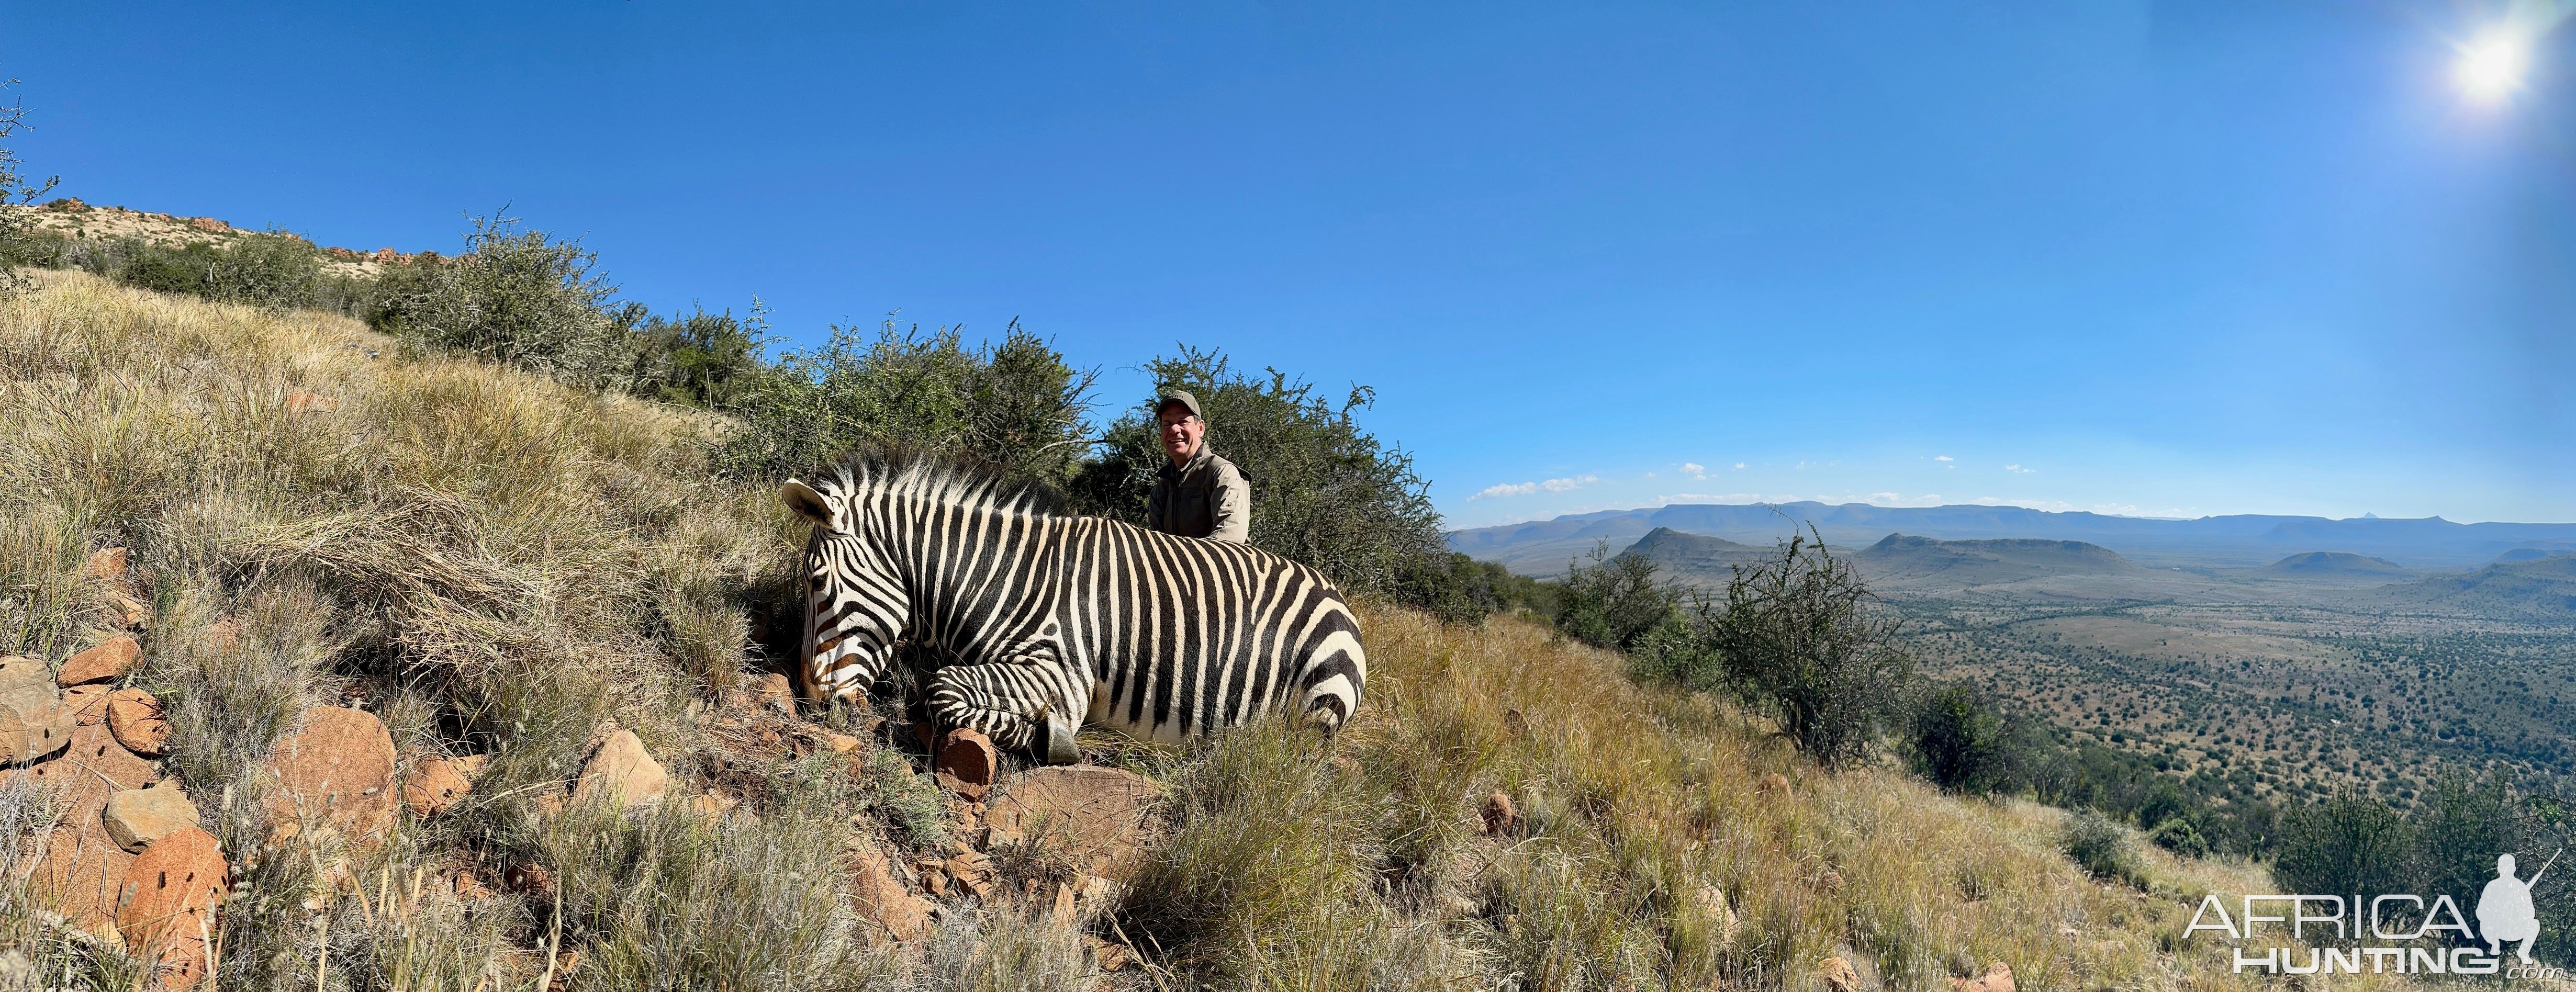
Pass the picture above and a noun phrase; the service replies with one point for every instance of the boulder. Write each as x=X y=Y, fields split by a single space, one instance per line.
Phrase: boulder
x=209 y=225
x=883 y=898
x=436 y=786
x=1098 y=815
x=79 y=876
x=107 y=564
x=137 y=817
x=336 y=771
x=166 y=907
x=92 y=768
x=87 y=703
x=1772 y=784
x=775 y=694
x=967 y=763
x=103 y=663
x=1501 y=819
x=33 y=721
x=136 y=718
x=1998 y=977
x=622 y=772
x=24 y=676
x=386 y=256
x=1838 y=975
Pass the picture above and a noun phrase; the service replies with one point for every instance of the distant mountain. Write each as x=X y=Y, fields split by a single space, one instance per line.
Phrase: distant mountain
x=2246 y=541
x=2543 y=589
x=1900 y=558
x=2535 y=551
x=2334 y=563
x=1692 y=556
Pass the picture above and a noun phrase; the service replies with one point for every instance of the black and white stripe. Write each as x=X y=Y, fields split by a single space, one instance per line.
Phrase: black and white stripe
x=1037 y=616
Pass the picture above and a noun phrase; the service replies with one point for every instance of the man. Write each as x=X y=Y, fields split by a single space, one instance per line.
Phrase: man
x=1198 y=494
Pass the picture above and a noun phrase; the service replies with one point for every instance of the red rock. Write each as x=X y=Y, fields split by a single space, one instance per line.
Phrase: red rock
x=1838 y=975
x=774 y=693
x=1097 y=816
x=87 y=703
x=135 y=818
x=337 y=771
x=307 y=401
x=623 y=772
x=387 y=256
x=166 y=907
x=33 y=727
x=1500 y=818
x=80 y=874
x=1998 y=977
x=102 y=663
x=224 y=634
x=529 y=878
x=435 y=786
x=967 y=762
x=106 y=563
x=209 y=224
x=884 y=899
x=136 y=718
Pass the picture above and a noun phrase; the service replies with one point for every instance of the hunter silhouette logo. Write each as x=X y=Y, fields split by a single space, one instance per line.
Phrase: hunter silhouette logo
x=2440 y=942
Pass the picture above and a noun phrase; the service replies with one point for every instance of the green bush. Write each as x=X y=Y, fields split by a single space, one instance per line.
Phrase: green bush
x=2177 y=834
x=710 y=360
x=16 y=230
x=1614 y=602
x=1801 y=637
x=1961 y=742
x=521 y=297
x=1324 y=492
x=1015 y=405
x=2349 y=843
x=2101 y=847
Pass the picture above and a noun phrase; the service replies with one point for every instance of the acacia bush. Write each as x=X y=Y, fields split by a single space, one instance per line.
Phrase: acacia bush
x=521 y=297
x=1801 y=637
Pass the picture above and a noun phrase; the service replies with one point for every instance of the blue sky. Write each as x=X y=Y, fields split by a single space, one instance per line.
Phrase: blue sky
x=2171 y=258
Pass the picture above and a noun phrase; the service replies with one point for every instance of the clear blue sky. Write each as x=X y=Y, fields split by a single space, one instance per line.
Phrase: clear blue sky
x=2174 y=258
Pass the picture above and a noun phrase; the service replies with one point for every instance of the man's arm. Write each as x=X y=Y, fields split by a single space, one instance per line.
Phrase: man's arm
x=1233 y=509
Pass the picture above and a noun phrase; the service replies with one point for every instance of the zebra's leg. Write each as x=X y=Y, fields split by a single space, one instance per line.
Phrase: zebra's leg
x=1018 y=705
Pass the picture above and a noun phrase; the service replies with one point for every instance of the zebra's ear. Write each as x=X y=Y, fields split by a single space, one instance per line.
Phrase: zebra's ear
x=807 y=503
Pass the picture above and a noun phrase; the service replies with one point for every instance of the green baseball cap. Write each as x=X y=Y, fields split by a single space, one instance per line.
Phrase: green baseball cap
x=1182 y=397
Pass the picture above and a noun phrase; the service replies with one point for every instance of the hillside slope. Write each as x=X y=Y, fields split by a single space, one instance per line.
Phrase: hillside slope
x=1902 y=559
x=2333 y=564
x=496 y=565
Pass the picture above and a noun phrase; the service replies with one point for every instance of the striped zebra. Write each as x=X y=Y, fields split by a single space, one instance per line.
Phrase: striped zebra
x=1036 y=616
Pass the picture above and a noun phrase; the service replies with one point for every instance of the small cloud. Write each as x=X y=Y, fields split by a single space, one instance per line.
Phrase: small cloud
x=2019 y=470
x=1941 y=458
x=1739 y=465
x=1526 y=488
x=1569 y=485
x=1695 y=470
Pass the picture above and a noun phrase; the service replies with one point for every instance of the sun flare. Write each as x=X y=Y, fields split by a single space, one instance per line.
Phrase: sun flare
x=2491 y=68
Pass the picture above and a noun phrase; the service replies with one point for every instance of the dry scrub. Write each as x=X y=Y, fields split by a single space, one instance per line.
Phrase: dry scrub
x=500 y=565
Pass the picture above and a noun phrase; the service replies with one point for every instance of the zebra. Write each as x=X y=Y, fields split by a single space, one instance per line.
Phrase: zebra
x=1036 y=615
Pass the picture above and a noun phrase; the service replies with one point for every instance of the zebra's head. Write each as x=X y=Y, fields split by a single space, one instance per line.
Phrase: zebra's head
x=856 y=607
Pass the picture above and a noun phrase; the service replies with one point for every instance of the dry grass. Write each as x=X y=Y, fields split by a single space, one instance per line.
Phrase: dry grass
x=499 y=565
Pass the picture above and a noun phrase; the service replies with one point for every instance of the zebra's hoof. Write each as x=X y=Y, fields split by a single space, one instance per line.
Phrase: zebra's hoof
x=1060 y=749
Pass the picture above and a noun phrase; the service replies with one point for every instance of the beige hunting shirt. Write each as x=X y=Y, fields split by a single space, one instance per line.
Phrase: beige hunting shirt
x=1207 y=497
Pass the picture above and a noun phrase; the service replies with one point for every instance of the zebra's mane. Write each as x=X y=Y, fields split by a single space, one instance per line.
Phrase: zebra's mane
x=957 y=482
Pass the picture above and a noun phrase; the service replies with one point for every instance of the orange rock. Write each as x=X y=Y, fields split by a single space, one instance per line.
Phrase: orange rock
x=1500 y=818
x=967 y=763
x=1838 y=975
x=136 y=718
x=102 y=663
x=1096 y=817
x=33 y=726
x=387 y=256
x=209 y=224
x=774 y=693
x=224 y=634
x=623 y=772
x=303 y=401
x=529 y=878
x=884 y=899
x=134 y=613
x=166 y=907
x=1774 y=782
x=87 y=703
x=469 y=888
x=1998 y=977
x=435 y=786
x=106 y=563
x=79 y=877
x=338 y=770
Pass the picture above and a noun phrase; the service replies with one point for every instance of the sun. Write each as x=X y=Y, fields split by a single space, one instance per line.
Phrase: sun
x=2491 y=68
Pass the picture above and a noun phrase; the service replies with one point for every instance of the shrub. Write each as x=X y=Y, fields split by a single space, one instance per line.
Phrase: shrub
x=1015 y=405
x=2349 y=843
x=704 y=359
x=522 y=297
x=2101 y=847
x=16 y=230
x=2177 y=834
x=1800 y=637
x=1960 y=742
x=1324 y=492
x=1613 y=602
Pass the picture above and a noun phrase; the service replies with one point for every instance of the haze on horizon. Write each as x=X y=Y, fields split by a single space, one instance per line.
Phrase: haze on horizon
x=2167 y=259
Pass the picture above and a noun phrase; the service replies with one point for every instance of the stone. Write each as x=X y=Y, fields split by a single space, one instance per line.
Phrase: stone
x=1096 y=816
x=1998 y=977
x=775 y=694
x=87 y=703
x=435 y=786
x=137 y=817
x=1062 y=910
x=305 y=401
x=224 y=634
x=79 y=876
x=839 y=743
x=94 y=767
x=1838 y=975
x=1713 y=904
x=24 y=677
x=33 y=724
x=103 y=663
x=336 y=771
x=386 y=256
x=210 y=225
x=1500 y=818
x=1111 y=956
x=882 y=898
x=529 y=878
x=136 y=718
x=469 y=888
x=166 y=907
x=622 y=772
x=712 y=804
x=107 y=564
x=967 y=763
x=1772 y=783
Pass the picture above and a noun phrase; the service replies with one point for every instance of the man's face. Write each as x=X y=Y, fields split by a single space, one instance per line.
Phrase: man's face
x=1181 y=432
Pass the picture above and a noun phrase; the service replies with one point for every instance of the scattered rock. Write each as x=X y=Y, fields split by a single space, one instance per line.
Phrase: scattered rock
x=1501 y=819
x=92 y=768
x=87 y=703
x=33 y=721
x=1098 y=815
x=713 y=804
x=79 y=877
x=435 y=786
x=775 y=694
x=134 y=613
x=967 y=763
x=1112 y=956
x=69 y=205
x=1997 y=978
x=469 y=888
x=107 y=564
x=224 y=634
x=969 y=869
x=136 y=718
x=137 y=817
x=884 y=899
x=1838 y=975
x=210 y=225
x=1712 y=902
x=102 y=663
x=337 y=771
x=1062 y=911
x=167 y=902
x=343 y=254
x=622 y=772
x=387 y=256
x=305 y=401
x=1772 y=783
